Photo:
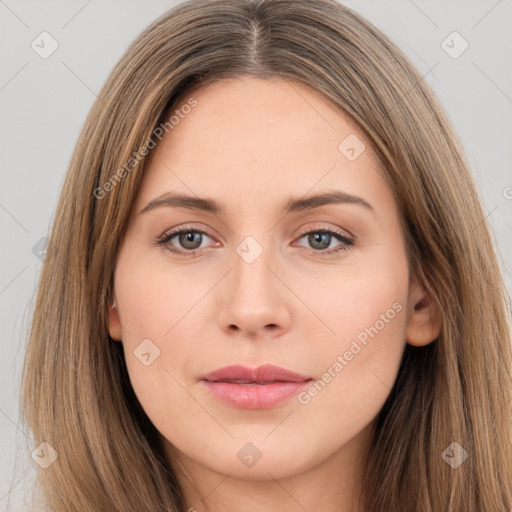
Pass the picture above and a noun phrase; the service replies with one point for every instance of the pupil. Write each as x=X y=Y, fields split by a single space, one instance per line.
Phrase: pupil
x=190 y=238
x=317 y=239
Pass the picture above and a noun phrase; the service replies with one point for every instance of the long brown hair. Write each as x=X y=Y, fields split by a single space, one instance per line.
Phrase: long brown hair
x=76 y=394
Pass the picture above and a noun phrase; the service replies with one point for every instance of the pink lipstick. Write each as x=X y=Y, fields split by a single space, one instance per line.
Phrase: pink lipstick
x=257 y=388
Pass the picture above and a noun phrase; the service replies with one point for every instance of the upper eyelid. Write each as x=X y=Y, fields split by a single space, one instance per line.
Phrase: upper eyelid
x=187 y=227
x=324 y=228
x=184 y=227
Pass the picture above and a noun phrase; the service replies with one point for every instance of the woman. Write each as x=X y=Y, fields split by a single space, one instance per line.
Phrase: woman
x=269 y=282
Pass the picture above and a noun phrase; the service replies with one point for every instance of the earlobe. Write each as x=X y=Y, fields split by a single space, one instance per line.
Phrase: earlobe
x=424 y=319
x=114 y=324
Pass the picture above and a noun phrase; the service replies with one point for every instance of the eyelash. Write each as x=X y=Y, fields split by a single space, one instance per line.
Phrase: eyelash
x=167 y=237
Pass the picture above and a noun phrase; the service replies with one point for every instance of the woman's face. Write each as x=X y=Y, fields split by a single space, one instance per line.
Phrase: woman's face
x=259 y=280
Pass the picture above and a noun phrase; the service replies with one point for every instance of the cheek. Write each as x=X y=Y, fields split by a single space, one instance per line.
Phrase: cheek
x=152 y=298
x=358 y=356
x=156 y=308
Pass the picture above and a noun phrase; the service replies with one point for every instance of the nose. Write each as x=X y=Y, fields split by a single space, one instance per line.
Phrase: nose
x=254 y=299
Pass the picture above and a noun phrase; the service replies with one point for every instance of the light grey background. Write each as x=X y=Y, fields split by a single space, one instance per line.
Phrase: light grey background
x=44 y=102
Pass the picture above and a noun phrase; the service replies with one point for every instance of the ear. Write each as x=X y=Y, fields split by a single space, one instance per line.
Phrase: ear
x=114 y=324
x=424 y=318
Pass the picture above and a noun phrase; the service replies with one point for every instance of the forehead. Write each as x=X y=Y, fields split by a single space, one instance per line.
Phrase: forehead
x=262 y=138
x=234 y=109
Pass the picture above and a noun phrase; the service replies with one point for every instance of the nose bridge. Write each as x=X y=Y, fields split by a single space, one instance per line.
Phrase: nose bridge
x=251 y=267
x=253 y=297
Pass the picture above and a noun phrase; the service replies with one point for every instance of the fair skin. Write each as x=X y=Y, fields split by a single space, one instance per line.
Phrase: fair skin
x=251 y=145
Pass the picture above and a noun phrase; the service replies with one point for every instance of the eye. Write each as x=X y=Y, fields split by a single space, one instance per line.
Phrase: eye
x=320 y=240
x=190 y=240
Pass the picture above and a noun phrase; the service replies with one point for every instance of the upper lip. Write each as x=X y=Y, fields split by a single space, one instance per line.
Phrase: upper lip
x=266 y=373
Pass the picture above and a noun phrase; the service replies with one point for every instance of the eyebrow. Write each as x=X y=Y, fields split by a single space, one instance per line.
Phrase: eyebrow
x=171 y=199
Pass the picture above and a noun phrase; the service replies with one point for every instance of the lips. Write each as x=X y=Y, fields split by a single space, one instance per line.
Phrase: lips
x=258 y=388
x=265 y=374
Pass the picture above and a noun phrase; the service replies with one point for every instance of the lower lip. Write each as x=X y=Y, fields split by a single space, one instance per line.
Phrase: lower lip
x=254 y=396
